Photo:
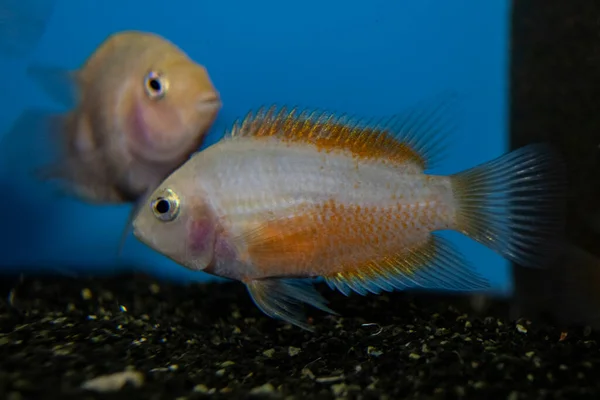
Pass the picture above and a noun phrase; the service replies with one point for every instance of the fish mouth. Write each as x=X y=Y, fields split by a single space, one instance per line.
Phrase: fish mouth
x=210 y=103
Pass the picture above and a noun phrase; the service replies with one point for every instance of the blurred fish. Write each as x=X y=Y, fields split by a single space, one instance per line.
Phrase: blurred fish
x=288 y=195
x=22 y=25
x=139 y=107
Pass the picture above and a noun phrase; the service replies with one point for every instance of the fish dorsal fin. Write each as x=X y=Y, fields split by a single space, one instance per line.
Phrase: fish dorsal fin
x=416 y=135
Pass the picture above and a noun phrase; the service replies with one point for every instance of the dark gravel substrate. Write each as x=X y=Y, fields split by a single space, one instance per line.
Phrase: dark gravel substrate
x=195 y=341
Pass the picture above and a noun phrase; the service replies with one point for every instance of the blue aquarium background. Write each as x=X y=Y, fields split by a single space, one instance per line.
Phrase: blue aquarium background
x=365 y=58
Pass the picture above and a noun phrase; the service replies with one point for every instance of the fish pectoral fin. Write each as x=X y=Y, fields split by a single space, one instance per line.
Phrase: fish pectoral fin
x=282 y=241
x=515 y=204
x=62 y=85
x=283 y=299
x=434 y=265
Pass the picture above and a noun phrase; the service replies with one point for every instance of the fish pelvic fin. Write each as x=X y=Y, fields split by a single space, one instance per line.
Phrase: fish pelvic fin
x=434 y=265
x=515 y=204
x=418 y=135
x=284 y=298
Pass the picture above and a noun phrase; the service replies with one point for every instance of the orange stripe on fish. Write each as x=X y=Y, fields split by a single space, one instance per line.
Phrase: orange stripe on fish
x=409 y=137
x=310 y=237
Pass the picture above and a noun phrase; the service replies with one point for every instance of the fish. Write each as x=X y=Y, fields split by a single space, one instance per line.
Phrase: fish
x=138 y=107
x=292 y=194
x=23 y=23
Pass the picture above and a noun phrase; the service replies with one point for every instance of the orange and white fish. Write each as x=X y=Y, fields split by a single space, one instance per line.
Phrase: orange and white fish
x=288 y=195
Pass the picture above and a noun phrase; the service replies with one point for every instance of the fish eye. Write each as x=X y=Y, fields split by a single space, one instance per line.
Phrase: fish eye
x=166 y=206
x=156 y=85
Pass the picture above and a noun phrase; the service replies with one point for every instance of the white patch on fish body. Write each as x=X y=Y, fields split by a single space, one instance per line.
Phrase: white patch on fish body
x=259 y=180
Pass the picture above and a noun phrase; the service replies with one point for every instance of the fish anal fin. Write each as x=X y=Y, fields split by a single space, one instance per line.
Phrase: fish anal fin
x=284 y=298
x=434 y=265
x=414 y=136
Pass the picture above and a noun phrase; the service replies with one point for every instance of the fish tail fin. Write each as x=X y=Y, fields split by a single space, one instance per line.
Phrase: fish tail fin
x=514 y=204
x=22 y=25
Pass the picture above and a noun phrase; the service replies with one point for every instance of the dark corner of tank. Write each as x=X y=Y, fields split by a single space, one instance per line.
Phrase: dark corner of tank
x=554 y=92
